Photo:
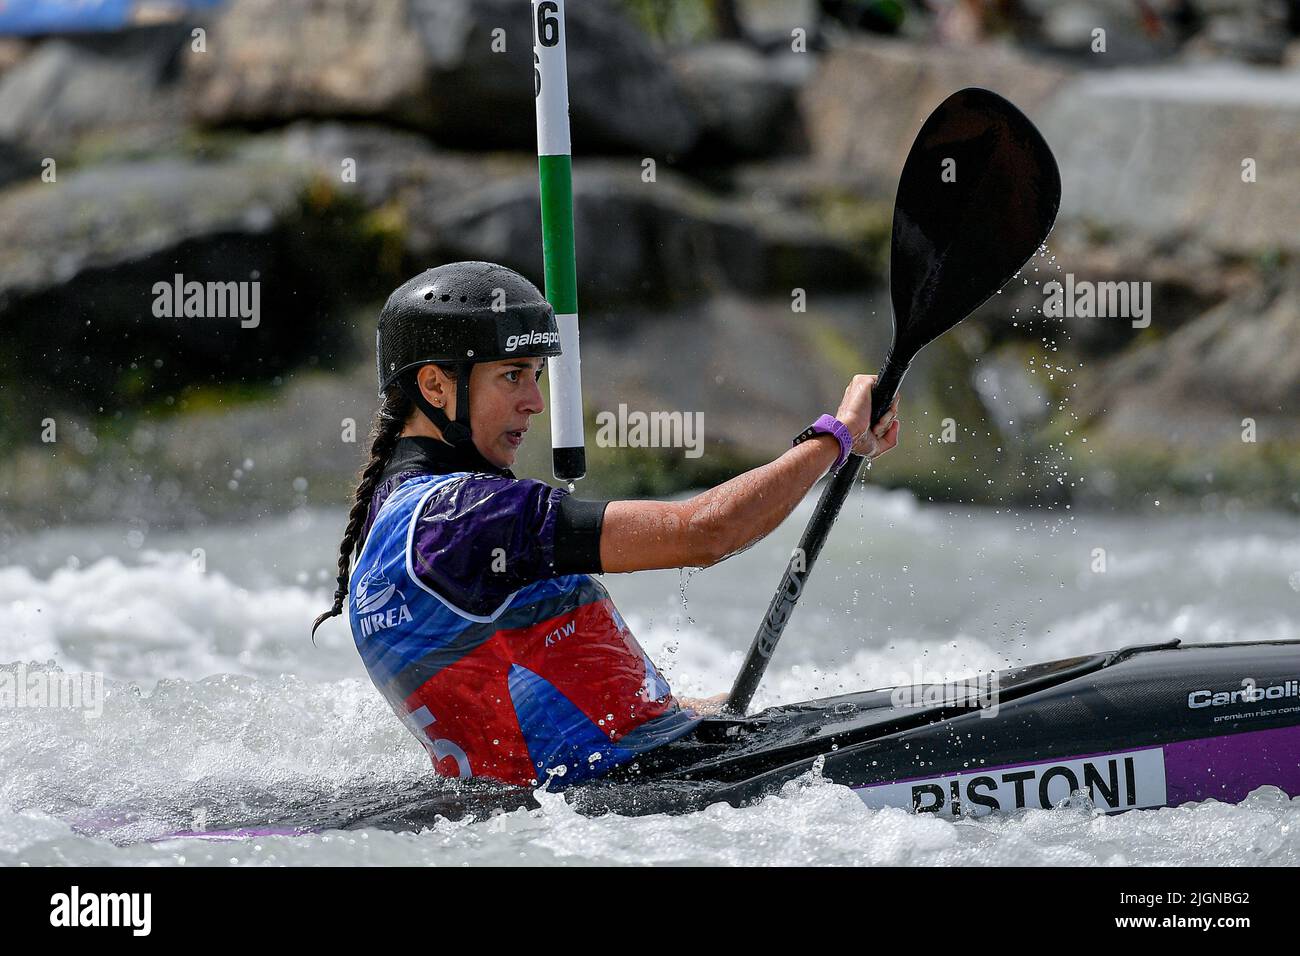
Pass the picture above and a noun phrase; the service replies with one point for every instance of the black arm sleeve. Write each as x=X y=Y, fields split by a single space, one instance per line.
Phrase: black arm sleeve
x=577 y=536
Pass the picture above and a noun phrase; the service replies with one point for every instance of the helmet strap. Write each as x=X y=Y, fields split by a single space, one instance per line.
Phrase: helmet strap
x=456 y=432
x=459 y=429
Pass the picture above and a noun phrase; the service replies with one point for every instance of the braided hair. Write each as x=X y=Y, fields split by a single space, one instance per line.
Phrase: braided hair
x=390 y=420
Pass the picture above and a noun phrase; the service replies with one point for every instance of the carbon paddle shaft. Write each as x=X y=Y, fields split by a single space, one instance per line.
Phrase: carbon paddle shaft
x=805 y=555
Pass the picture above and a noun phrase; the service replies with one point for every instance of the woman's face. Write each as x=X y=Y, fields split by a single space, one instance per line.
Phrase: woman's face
x=503 y=395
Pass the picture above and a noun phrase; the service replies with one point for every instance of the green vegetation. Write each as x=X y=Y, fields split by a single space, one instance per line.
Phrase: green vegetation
x=674 y=21
x=1256 y=476
x=660 y=472
x=864 y=224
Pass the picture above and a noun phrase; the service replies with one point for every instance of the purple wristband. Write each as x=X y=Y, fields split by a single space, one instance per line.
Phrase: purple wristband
x=829 y=425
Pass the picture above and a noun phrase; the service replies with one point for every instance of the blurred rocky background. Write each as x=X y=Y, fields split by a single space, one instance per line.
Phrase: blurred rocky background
x=745 y=279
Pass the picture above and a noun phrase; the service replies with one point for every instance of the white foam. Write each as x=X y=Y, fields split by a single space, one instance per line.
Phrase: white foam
x=216 y=694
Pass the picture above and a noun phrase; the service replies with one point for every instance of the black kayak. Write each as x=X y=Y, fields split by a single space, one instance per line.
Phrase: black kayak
x=1143 y=727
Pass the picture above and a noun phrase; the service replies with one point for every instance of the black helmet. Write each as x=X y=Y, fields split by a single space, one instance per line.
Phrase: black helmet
x=463 y=312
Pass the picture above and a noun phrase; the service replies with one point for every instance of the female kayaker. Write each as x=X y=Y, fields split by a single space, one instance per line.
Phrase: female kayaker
x=471 y=597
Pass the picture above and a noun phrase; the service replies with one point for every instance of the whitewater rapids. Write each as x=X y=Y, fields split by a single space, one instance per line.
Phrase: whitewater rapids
x=216 y=696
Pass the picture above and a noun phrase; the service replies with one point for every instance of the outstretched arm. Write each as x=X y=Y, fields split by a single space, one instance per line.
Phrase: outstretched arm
x=715 y=524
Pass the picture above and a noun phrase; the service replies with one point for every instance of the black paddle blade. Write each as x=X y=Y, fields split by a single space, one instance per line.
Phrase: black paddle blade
x=978 y=195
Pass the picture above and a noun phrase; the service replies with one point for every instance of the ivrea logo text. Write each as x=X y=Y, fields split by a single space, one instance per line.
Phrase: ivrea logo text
x=371 y=595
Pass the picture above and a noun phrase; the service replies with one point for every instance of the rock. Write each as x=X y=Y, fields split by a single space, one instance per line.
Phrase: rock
x=865 y=104
x=667 y=241
x=1160 y=153
x=756 y=373
x=431 y=65
x=394 y=169
x=661 y=242
x=117 y=214
x=746 y=101
x=192 y=456
x=119 y=85
x=1154 y=152
x=16 y=163
x=1192 y=389
x=772 y=21
x=1130 y=35
x=12 y=52
x=269 y=62
x=1185 y=280
x=1254 y=31
x=80 y=259
x=1206 y=415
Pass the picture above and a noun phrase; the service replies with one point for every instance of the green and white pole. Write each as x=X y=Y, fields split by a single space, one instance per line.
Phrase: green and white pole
x=555 y=169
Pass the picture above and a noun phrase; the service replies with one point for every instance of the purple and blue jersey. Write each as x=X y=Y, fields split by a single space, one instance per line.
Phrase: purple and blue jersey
x=473 y=615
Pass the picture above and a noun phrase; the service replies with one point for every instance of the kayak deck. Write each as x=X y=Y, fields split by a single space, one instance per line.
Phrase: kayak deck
x=1142 y=727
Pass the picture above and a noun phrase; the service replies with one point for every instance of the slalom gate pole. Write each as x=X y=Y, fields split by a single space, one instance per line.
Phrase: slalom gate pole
x=555 y=172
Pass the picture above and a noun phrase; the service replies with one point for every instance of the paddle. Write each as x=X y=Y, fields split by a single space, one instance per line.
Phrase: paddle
x=978 y=195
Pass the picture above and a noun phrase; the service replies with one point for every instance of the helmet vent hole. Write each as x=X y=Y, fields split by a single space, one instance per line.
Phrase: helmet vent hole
x=464 y=298
x=428 y=296
x=446 y=297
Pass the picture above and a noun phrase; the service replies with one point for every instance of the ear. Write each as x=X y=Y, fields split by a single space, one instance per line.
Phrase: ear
x=438 y=388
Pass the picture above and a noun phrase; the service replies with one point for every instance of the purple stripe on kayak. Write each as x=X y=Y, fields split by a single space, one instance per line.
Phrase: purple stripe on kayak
x=1225 y=768
x=241 y=833
x=1229 y=768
